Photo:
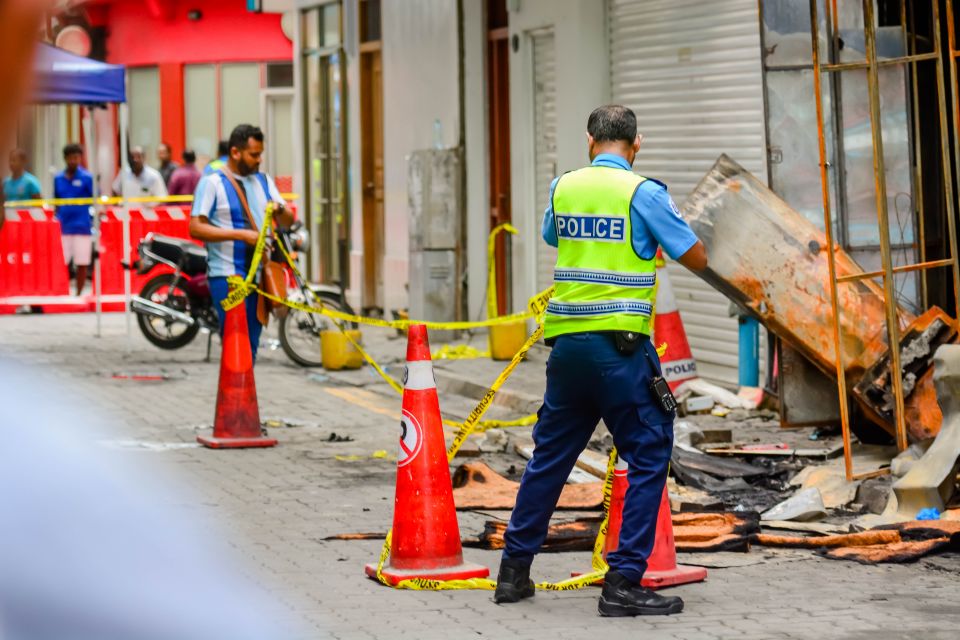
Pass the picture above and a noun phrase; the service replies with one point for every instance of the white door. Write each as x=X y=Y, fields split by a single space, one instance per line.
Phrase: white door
x=692 y=73
x=278 y=131
x=545 y=144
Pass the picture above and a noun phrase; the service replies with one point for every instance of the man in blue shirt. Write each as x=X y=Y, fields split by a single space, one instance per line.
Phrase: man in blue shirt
x=20 y=184
x=223 y=152
x=602 y=365
x=76 y=220
x=219 y=219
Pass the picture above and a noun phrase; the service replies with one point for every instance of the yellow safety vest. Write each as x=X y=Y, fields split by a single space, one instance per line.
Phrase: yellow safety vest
x=601 y=283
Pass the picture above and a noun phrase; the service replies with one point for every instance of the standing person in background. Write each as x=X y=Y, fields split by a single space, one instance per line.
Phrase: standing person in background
x=223 y=150
x=20 y=184
x=76 y=221
x=167 y=166
x=221 y=221
x=184 y=180
x=139 y=180
x=19 y=22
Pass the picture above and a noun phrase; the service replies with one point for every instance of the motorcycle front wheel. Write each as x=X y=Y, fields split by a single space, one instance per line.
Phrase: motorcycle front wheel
x=167 y=334
x=300 y=331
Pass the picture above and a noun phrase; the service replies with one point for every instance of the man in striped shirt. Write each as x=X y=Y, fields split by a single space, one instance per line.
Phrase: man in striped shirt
x=219 y=219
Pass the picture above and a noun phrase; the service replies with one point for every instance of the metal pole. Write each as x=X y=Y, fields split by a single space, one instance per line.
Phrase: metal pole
x=90 y=135
x=880 y=186
x=910 y=47
x=127 y=282
x=948 y=175
x=831 y=252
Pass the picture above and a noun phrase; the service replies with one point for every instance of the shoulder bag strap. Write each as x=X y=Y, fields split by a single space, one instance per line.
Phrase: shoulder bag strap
x=241 y=194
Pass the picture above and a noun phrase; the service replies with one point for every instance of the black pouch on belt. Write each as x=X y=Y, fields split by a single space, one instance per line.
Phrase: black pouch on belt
x=627 y=342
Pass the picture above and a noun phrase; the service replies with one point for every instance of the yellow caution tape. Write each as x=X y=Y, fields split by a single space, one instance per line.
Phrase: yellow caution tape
x=379 y=454
x=110 y=201
x=536 y=308
x=459 y=352
x=492 y=266
x=241 y=288
x=470 y=423
x=599 y=565
x=536 y=303
x=597 y=562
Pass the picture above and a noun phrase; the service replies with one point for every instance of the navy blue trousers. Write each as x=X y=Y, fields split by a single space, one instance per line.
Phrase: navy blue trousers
x=218 y=291
x=588 y=379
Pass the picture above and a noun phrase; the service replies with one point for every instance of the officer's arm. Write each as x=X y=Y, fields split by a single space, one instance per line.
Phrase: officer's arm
x=549 y=228
x=695 y=258
x=653 y=206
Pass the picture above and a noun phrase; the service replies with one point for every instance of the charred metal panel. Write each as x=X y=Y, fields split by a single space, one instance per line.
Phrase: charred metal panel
x=767 y=257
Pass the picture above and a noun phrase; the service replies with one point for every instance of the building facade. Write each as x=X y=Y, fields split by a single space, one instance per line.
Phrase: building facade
x=194 y=71
x=509 y=83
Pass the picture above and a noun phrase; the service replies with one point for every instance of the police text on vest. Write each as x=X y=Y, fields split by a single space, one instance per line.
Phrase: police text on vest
x=590 y=227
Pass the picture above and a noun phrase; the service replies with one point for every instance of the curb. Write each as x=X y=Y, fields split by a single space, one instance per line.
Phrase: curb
x=524 y=403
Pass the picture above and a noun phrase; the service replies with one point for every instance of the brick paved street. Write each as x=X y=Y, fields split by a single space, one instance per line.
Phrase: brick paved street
x=278 y=504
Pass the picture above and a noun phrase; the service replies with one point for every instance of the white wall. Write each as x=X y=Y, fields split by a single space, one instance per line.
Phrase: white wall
x=351 y=28
x=583 y=80
x=420 y=86
x=476 y=114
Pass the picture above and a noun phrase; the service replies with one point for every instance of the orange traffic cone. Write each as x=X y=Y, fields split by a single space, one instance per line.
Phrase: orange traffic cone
x=237 y=421
x=677 y=362
x=618 y=492
x=426 y=537
x=662 y=568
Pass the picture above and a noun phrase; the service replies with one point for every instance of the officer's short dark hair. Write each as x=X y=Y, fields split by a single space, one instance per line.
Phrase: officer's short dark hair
x=189 y=156
x=612 y=123
x=223 y=148
x=71 y=149
x=241 y=135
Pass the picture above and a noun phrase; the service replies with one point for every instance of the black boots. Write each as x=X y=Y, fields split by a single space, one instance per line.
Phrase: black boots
x=513 y=582
x=621 y=597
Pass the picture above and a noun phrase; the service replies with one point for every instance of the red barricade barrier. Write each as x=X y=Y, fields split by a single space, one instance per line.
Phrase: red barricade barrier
x=168 y=221
x=32 y=255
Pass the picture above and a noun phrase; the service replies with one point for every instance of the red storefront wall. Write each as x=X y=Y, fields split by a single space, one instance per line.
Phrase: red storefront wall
x=161 y=33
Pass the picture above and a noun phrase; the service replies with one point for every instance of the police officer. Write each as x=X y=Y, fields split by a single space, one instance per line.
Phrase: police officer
x=606 y=222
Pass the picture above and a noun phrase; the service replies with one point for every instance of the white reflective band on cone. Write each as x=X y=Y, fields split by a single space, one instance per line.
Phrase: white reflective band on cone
x=679 y=369
x=419 y=375
x=666 y=302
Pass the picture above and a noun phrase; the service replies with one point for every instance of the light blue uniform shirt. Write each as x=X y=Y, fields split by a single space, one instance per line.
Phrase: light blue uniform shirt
x=654 y=217
x=23 y=188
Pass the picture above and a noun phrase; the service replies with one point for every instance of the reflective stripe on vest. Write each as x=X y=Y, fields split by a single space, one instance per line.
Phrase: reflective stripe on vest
x=601 y=283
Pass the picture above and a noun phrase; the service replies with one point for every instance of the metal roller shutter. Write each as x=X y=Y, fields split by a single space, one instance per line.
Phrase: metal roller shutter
x=545 y=132
x=691 y=70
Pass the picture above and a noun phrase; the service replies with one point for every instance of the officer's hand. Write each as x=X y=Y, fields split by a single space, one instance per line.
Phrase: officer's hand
x=248 y=236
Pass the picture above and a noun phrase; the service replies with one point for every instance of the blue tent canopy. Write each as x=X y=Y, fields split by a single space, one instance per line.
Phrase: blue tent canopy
x=62 y=77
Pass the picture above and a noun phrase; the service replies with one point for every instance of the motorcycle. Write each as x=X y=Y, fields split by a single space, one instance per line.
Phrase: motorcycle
x=172 y=308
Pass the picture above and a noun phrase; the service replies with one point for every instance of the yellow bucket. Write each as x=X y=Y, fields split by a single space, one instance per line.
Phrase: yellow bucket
x=507 y=339
x=337 y=352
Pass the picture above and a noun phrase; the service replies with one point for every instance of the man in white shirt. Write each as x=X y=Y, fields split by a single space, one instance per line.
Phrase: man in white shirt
x=139 y=180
